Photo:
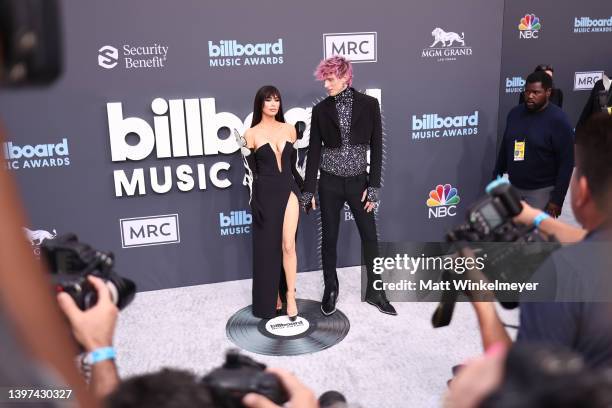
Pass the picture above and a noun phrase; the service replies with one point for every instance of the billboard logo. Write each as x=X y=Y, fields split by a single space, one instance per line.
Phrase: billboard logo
x=229 y=53
x=529 y=27
x=515 y=85
x=181 y=129
x=584 y=81
x=357 y=47
x=147 y=231
x=592 y=25
x=446 y=46
x=442 y=201
x=435 y=126
x=108 y=56
x=236 y=223
x=41 y=155
x=148 y=56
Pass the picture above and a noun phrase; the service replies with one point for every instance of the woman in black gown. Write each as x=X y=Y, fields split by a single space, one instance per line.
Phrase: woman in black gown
x=276 y=185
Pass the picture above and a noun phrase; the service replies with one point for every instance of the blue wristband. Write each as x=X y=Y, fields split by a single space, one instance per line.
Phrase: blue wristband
x=100 y=354
x=539 y=218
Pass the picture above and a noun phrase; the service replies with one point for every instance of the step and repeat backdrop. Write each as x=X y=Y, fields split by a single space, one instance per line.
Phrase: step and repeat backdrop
x=575 y=38
x=131 y=148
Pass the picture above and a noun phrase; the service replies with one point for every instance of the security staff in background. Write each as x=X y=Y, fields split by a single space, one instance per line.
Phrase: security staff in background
x=537 y=149
x=556 y=94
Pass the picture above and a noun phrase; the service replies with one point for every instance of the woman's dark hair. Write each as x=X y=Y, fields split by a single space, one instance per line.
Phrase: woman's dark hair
x=544 y=67
x=262 y=94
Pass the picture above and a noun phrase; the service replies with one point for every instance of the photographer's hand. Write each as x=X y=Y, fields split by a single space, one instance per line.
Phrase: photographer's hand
x=527 y=214
x=300 y=396
x=94 y=329
x=565 y=233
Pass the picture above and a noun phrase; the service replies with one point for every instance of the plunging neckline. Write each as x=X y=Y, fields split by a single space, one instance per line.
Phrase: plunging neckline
x=279 y=163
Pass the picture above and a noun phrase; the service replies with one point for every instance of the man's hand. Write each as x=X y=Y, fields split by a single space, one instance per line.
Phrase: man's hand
x=93 y=328
x=307 y=202
x=553 y=209
x=300 y=396
x=369 y=205
x=527 y=215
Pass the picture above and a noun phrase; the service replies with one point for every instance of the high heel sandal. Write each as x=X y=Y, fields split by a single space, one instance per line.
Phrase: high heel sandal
x=292 y=317
x=279 y=310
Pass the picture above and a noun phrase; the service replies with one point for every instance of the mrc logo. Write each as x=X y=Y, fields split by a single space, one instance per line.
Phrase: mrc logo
x=357 y=47
x=442 y=201
x=529 y=27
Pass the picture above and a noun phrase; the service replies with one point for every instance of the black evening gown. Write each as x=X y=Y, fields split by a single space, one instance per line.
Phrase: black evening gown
x=272 y=187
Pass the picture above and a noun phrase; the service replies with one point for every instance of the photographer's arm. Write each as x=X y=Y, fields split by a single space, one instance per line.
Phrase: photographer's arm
x=492 y=329
x=564 y=233
x=94 y=329
x=25 y=293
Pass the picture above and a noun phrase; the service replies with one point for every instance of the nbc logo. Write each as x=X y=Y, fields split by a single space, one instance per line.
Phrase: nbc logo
x=529 y=26
x=442 y=201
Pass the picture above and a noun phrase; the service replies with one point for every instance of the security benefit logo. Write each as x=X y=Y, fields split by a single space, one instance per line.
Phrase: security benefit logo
x=147 y=231
x=19 y=156
x=432 y=125
x=235 y=223
x=357 y=47
x=133 y=56
x=231 y=53
x=348 y=214
x=442 y=201
x=592 y=25
x=515 y=84
x=585 y=81
x=529 y=27
x=446 y=46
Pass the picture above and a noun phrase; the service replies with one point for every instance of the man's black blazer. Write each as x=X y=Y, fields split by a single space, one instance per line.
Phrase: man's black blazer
x=366 y=128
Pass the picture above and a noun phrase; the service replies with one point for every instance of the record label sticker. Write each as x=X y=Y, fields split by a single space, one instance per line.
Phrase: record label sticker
x=282 y=326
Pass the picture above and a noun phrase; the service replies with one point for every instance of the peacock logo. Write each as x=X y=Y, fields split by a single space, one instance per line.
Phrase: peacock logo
x=443 y=195
x=530 y=22
x=529 y=26
x=442 y=201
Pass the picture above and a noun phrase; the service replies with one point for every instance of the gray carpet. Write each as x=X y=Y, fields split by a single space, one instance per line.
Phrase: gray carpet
x=385 y=361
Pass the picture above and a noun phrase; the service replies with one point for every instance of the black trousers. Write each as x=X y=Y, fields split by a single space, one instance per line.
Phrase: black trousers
x=334 y=191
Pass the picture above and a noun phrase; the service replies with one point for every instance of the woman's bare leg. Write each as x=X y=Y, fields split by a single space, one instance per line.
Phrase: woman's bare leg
x=290 y=222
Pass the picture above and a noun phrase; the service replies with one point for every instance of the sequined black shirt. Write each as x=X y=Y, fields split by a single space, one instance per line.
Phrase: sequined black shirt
x=347 y=160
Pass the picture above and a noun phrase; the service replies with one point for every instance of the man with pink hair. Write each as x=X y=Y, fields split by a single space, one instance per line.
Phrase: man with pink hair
x=343 y=127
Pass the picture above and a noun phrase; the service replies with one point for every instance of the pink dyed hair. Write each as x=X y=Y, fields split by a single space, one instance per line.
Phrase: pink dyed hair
x=335 y=65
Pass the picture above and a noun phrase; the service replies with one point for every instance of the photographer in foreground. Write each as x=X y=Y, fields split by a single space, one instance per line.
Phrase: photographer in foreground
x=529 y=376
x=582 y=326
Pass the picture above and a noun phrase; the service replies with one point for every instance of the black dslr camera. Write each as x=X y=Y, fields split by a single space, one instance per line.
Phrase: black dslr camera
x=239 y=376
x=490 y=220
x=71 y=261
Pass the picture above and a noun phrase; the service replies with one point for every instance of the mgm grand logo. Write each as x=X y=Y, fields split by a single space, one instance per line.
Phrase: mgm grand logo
x=446 y=46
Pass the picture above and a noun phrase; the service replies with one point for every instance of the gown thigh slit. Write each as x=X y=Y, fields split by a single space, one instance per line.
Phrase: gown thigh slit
x=271 y=194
